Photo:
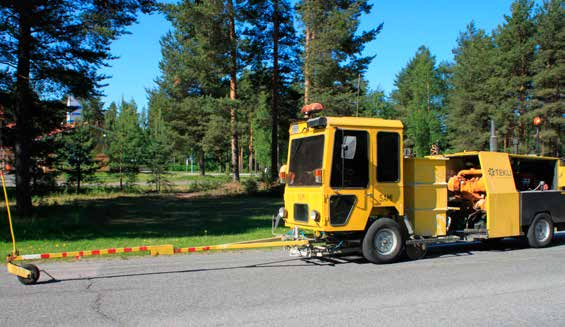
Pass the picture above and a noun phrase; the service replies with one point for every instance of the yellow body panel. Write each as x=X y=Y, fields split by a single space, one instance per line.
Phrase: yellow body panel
x=561 y=174
x=425 y=194
x=17 y=270
x=502 y=201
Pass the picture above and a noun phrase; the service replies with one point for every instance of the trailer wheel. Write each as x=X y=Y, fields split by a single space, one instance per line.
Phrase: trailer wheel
x=383 y=241
x=540 y=232
x=33 y=277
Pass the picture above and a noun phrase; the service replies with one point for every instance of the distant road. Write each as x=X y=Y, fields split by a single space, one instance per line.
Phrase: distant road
x=463 y=285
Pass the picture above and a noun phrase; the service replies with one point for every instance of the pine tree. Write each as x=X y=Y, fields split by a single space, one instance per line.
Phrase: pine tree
x=75 y=151
x=420 y=96
x=56 y=48
x=549 y=83
x=333 y=63
x=196 y=62
x=470 y=108
x=513 y=77
x=262 y=136
x=158 y=148
x=376 y=104
x=271 y=47
x=125 y=141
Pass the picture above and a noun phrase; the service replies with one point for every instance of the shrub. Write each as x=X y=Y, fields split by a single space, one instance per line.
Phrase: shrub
x=250 y=186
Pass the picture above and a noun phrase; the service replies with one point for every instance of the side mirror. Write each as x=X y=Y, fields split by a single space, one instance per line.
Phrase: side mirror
x=348 y=147
x=283 y=175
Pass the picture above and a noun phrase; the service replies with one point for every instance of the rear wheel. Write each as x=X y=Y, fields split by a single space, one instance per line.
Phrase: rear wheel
x=33 y=277
x=383 y=241
x=540 y=232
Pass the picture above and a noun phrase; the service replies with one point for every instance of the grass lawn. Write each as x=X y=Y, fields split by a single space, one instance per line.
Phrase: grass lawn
x=118 y=220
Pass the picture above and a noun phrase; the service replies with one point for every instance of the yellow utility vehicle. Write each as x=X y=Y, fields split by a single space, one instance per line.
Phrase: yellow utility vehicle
x=349 y=183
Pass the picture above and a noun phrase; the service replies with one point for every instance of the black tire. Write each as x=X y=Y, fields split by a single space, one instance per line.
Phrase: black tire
x=540 y=232
x=33 y=277
x=391 y=241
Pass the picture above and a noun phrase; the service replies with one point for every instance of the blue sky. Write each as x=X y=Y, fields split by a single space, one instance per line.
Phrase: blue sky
x=408 y=24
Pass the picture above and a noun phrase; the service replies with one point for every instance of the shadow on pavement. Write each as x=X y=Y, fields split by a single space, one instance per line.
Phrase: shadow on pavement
x=434 y=252
x=301 y=262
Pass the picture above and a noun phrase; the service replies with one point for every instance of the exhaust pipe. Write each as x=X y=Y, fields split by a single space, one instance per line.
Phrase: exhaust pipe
x=493 y=138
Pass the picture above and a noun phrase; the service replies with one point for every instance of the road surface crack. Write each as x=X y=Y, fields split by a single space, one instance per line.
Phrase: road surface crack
x=97 y=304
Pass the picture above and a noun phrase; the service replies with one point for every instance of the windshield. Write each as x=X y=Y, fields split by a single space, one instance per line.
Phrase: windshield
x=306 y=156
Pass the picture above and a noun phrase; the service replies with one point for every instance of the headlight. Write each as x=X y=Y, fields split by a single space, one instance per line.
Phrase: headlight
x=315 y=215
x=282 y=212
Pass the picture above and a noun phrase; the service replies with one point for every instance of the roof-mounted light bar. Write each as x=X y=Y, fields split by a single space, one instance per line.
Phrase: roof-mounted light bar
x=310 y=109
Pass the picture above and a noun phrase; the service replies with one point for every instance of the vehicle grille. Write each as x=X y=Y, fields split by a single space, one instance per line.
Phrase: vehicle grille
x=300 y=212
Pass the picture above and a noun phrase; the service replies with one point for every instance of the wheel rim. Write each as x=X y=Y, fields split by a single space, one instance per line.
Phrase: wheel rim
x=541 y=230
x=385 y=241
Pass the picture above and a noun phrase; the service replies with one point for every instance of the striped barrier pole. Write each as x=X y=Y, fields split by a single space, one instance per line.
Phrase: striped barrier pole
x=161 y=249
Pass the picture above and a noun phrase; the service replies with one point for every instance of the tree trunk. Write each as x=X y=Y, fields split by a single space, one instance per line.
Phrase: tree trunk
x=158 y=183
x=23 y=107
x=201 y=162
x=250 y=149
x=240 y=158
x=233 y=91
x=78 y=180
x=275 y=93
x=306 y=67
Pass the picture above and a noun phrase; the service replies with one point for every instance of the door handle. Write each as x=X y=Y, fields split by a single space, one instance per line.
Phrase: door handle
x=369 y=194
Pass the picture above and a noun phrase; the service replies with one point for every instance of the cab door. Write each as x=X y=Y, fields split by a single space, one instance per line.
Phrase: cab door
x=388 y=189
x=349 y=180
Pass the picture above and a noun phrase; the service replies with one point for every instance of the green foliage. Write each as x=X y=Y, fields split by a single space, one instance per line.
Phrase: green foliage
x=420 y=97
x=549 y=69
x=125 y=140
x=512 y=78
x=470 y=99
x=216 y=139
x=262 y=132
x=250 y=186
x=50 y=49
x=158 y=148
x=194 y=68
x=75 y=148
x=333 y=62
x=376 y=104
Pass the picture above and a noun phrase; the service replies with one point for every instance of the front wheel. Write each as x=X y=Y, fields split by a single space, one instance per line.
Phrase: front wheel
x=540 y=232
x=34 y=276
x=383 y=241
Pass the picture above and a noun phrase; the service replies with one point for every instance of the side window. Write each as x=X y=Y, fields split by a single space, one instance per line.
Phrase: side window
x=350 y=162
x=388 y=157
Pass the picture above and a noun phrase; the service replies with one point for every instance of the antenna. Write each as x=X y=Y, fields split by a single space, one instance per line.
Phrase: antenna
x=358 y=90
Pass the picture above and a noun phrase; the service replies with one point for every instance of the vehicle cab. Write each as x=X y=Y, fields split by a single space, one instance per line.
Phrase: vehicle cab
x=341 y=171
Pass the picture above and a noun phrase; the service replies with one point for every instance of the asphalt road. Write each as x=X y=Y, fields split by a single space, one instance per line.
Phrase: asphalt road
x=463 y=285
